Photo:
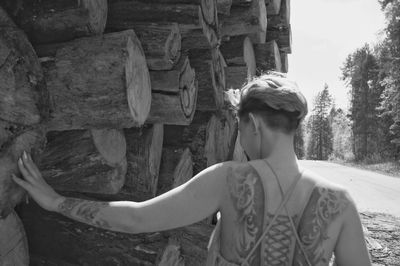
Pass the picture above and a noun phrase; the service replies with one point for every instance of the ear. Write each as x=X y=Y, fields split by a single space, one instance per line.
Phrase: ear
x=255 y=123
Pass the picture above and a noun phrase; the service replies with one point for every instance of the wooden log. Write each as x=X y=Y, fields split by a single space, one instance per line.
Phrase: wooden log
x=267 y=57
x=47 y=21
x=273 y=7
x=23 y=94
x=161 y=42
x=239 y=51
x=99 y=82
x=87 y=245
x=208 y=20
x=10 y=193
x=220 y=138
x=122 y=12
x=176 y=168
x=282 y=19
x=283 y=37
x=91 y=161
x=174 y=95
x=239 y=154
x=210 y=72
x=236 y=76
x=192 y=136
x=285 y=62
x=13 y=242
x=245 y=20
x=144 y=149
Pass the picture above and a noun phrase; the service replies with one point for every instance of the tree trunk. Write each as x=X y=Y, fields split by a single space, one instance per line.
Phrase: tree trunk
x=245 y=20
x=273 y=7
x=174 y=95
x=11 y=194
x=239 y=51
x=99 y=82
x=236 y=76
x=87 y=245
x=47 y=21
x=267 y=57
x=176 y=168
x=144 y=157
x=284 y=62
x=210 y=73
x=283 y=37
x=23 y=94
x=85 y=161
x=220 y=138
x=161 y=42
x=281 y=20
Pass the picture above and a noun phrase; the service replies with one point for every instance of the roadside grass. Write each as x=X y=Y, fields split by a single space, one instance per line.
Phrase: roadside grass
x=388 y=168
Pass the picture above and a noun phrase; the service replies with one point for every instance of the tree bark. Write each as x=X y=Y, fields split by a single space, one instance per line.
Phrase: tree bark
x=220 y=138
x=210 y=72
x=23 y=94
x=283 y=37
x=144 y=157
x=99 y=82
x=47 y=21
x=91 y=161
x=174 y=95
x=273 y=6
x=88 y=245
x=282 y=19
x=192 y=136
x=161 y=42
x=245 y=20
x=236 y=76
x=267 y=57
x=239 y=51
x=13 y=242
x=176 y=168
x=11 y=194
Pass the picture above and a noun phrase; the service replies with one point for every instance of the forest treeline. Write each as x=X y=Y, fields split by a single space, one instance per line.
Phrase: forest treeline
x=369 y=131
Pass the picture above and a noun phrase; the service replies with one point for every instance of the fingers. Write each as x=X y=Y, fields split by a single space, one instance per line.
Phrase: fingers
x=22 y=183
x=28 y=177
x=30 y=165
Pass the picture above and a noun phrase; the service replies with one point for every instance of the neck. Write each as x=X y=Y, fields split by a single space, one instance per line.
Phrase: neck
x=282 y=156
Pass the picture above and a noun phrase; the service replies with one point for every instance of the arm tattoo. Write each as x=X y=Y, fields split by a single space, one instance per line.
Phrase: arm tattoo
x=324 y=206
x=84 y=211
x=247 y=194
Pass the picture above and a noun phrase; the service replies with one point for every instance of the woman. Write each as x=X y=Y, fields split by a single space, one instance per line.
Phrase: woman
x=272 y=211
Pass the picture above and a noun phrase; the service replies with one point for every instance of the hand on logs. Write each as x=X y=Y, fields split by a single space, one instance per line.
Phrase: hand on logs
x=34 y=183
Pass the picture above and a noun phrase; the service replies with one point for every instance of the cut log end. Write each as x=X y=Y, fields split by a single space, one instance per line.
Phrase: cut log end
x=97 y=15
x=218 y=65
x=249 y=57
x=111 y=144
x=188 y=90
x=209 y=10
x=210 y=30
x=173 y=44
x=137 y=81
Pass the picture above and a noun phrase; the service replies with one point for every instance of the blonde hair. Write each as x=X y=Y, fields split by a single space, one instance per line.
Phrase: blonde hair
x=273 y=95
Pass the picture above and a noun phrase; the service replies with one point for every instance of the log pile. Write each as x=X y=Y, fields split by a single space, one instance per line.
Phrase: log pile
x=125 y=100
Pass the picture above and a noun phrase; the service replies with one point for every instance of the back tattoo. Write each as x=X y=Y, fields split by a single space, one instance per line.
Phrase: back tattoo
x=247 y=194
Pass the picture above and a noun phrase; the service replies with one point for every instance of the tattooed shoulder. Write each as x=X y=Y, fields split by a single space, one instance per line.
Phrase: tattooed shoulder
x=325 y=206
x=247 y=196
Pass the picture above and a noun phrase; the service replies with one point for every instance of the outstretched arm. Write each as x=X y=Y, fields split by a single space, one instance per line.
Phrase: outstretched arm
x=186 y=204
x=351 y=248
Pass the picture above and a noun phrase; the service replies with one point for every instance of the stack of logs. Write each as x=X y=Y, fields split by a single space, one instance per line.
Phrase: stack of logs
x=124 y=100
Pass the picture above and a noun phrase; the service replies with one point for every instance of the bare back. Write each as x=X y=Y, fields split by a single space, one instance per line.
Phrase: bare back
x=250 y=201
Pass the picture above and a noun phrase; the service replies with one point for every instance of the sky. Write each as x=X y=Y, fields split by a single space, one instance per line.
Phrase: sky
x=324 y=32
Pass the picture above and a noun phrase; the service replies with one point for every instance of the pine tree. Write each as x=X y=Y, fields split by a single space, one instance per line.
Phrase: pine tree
x=319 y=144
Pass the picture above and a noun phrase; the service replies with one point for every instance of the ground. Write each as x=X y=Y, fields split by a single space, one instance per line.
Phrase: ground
x=383 y=238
